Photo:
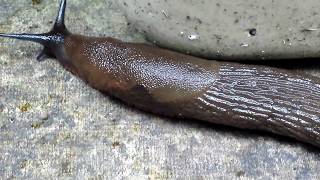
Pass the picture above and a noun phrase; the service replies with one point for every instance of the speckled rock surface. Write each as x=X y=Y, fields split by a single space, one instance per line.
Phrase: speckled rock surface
x=52 y=125
x=237 y=30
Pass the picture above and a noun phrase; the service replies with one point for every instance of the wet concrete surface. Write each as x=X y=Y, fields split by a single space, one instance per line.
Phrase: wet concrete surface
x=52 y=125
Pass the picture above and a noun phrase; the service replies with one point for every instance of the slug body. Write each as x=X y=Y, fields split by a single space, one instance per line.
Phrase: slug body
x=177 y=85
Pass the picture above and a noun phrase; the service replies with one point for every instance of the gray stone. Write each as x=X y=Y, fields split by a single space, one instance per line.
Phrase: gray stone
x=234 y=30
x=87 y=135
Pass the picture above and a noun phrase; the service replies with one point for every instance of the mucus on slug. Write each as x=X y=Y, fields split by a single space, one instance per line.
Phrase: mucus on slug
x=182 y=86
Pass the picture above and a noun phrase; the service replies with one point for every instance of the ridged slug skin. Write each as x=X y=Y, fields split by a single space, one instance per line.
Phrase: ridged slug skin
x=182 y=86
x=177 y=85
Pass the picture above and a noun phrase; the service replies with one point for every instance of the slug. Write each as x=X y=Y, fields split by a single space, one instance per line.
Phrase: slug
x=176 y=85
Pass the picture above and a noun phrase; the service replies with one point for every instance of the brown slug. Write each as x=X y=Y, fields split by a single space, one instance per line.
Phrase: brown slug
x=181 y=86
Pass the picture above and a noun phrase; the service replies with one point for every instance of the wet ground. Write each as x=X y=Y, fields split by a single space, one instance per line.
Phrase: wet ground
x=52 y=125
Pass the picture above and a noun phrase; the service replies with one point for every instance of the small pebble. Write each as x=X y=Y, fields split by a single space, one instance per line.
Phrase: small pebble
x=165 y=13
x=253 y=32
x=44 y=115
x=244 y=45
x=193 y=37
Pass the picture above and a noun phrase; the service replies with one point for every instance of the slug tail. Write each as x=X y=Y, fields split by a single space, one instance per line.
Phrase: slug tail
x=51 y=40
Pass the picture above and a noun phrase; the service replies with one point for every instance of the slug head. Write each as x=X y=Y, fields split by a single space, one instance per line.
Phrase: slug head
x=52 y=41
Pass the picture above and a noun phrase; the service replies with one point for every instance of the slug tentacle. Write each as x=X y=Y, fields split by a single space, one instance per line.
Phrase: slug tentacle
x=44 y=54
x=52 y=41
x=59 y=23
x=38 y=38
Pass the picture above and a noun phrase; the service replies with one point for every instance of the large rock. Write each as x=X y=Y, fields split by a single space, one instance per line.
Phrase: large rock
x=234 y=30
